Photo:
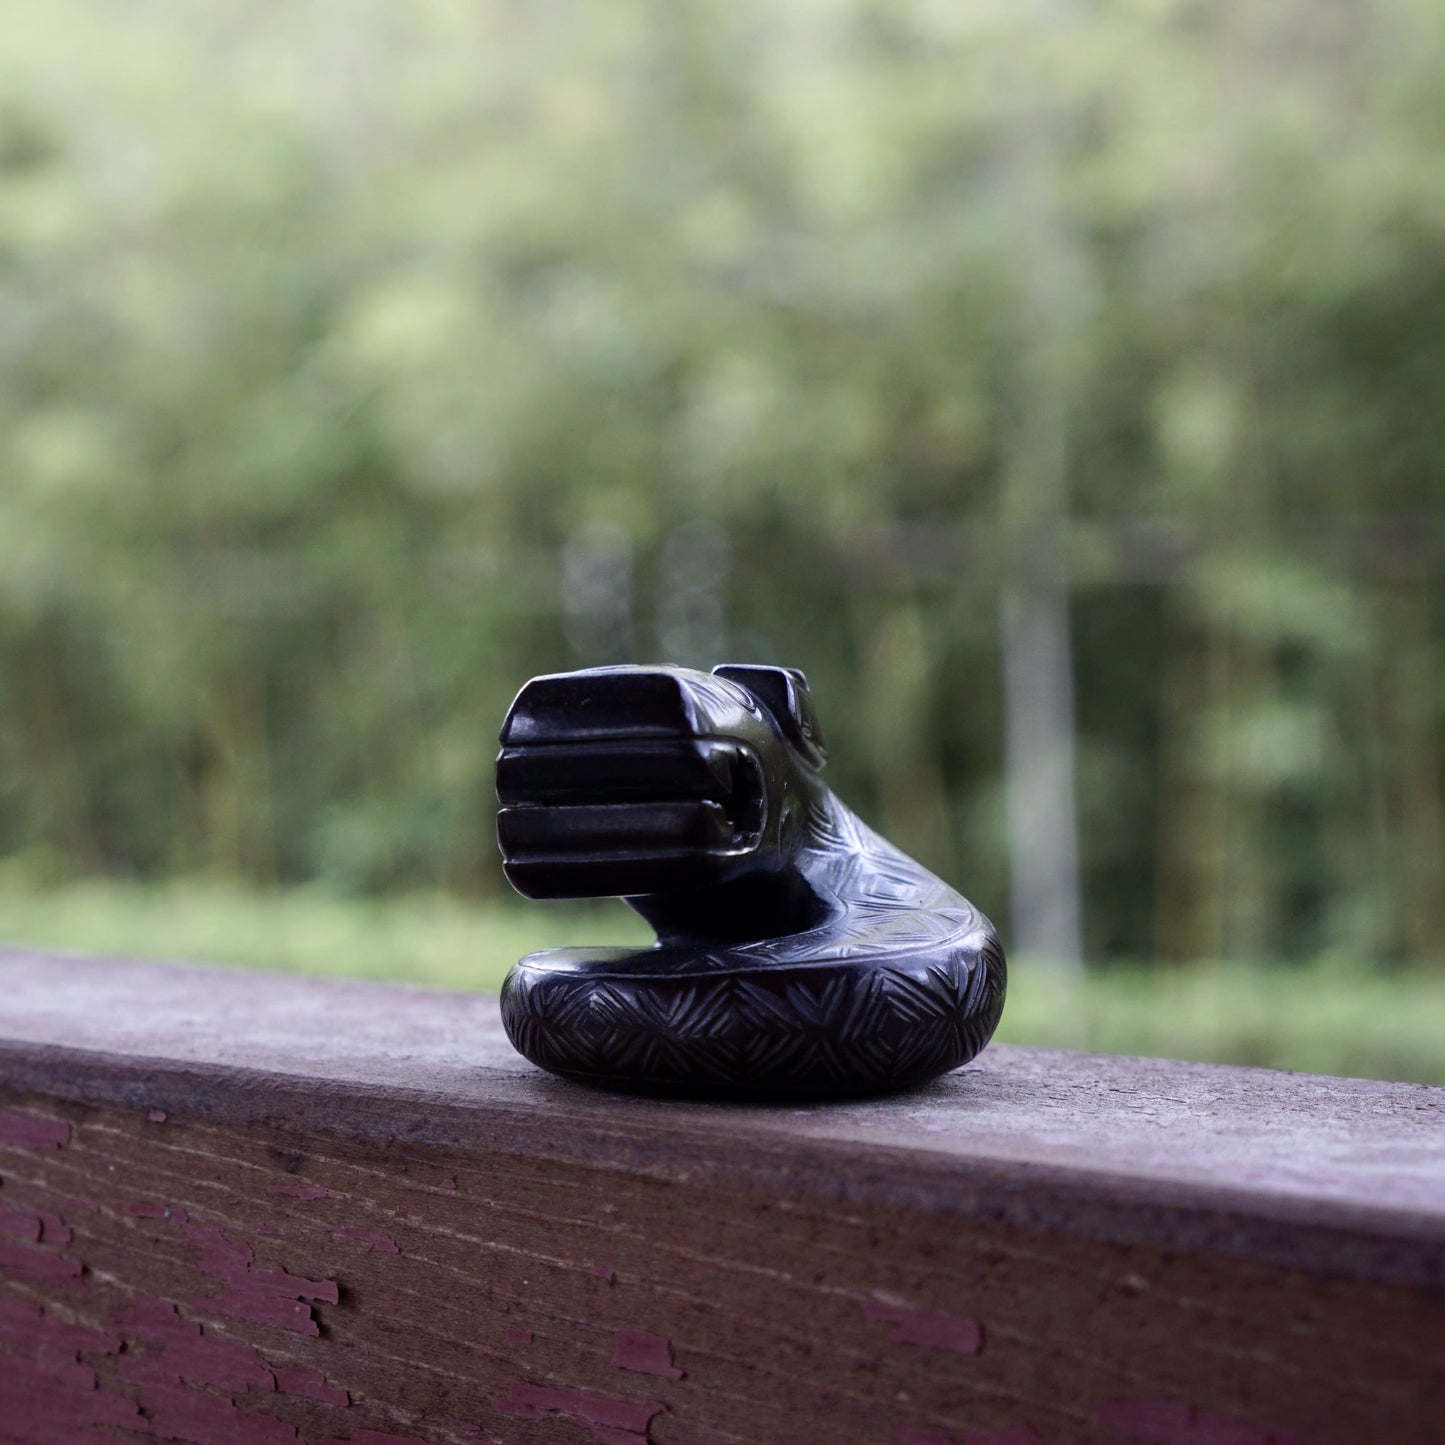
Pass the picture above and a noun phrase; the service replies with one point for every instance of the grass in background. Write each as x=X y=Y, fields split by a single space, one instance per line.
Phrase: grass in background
x=418 y=939
x=1329 y=1017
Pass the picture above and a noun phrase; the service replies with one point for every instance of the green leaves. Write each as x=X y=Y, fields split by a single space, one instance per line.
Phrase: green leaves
x=324 y=334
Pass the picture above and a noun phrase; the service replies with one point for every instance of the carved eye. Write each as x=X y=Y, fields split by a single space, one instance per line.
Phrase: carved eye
x=784 y=692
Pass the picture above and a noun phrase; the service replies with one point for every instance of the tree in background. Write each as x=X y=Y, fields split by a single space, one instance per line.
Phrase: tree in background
x=358 y=362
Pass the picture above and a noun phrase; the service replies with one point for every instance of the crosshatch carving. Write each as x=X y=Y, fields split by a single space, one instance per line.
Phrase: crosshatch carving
x=798 y=951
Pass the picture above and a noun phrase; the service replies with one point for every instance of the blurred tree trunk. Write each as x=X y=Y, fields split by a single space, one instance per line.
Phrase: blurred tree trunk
x=1186 y=886
x=236 y=779
x=52 y=750
x=1414 y=688
x=912 y=791
x=1249 y=902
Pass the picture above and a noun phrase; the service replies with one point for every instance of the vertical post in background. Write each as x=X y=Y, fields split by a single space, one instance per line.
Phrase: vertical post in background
x=1038 y=712
x=1035 y=641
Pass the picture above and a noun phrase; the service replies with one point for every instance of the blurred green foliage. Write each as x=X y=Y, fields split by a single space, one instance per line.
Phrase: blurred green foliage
x=359 y=361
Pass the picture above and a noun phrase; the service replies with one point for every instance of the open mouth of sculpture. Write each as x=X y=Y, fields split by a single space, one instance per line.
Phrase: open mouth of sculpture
x=574 y=813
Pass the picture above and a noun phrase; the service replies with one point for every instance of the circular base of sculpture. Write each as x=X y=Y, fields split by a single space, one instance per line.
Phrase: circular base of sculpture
x=832 y=1029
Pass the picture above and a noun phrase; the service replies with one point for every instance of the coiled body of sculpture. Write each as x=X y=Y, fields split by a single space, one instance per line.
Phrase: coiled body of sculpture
x=799 y=954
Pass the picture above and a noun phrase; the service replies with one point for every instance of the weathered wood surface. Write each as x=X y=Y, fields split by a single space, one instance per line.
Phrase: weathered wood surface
x=238 y=1207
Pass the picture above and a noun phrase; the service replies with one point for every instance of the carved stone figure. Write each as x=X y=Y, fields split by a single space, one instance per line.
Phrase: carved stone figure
x=798 y=953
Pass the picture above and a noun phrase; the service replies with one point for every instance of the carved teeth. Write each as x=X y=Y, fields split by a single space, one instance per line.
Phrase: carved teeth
x=621 y=770
x=530 y=833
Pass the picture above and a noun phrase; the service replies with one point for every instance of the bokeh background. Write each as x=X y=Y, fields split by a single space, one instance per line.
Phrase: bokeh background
x=1061 y=385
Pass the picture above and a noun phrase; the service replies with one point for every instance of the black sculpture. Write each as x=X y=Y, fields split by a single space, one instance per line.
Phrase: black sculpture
x=798 y=952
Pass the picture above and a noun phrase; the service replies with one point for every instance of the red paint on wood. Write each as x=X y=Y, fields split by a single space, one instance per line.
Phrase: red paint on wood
x=375 y=1241
x=450 y=1182
x=39 y=1266
x=48 y=1395
x=1174 y=1422
x=614 y=1419
x=19 y=1223
x=646 y=1353
x=22 y=1323
x=202 y=1418
x=935 y=1328
x=264 y=1296
x=1217 y=1329
x=33 y=1228
x=518 y=1337
x=218 y=1255
x=32 y=1131
x=54 y=1230
x=176 y=1349
x=301 y=1191
x=43 y=1406
x=312 y=1384
x=156 y=1116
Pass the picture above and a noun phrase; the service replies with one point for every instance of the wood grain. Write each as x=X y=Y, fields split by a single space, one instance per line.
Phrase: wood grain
x=237 y=1207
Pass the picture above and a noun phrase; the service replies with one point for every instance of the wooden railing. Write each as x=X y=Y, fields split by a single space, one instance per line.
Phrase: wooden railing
x=245 y=1208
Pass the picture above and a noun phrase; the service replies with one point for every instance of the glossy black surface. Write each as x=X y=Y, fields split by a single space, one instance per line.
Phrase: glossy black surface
x=798 y=953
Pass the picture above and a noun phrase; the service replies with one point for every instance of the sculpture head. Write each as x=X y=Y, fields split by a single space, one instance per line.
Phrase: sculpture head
x=623 y=781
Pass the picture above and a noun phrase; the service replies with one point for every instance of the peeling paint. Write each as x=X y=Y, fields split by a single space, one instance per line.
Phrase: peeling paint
x=175 y=1365
x=203 y=1382
x=22 y=1322
x=934 y=1328
x=206 y=1419
x=54 y=1230
x=1175 y=1422
x=176 y=1349
x=645 y=1353
x=312 y=1384
x=156 y=1116
x=32 y=1131
x=48 y=1395
x=614 y=1419
x=264 y=1296
x=19 y=1223
x=39 y=1266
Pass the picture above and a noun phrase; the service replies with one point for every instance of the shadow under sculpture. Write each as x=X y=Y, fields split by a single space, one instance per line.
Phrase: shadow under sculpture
x=799 y=954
